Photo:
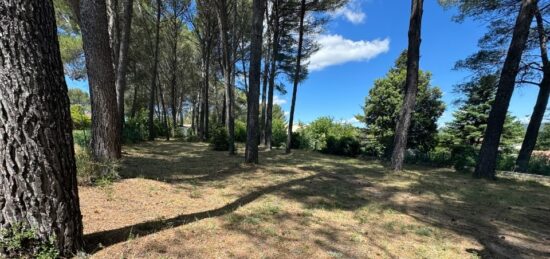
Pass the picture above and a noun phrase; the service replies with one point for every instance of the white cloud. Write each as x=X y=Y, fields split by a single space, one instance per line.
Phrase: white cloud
x=351 y=12
x=335 y=50
x=278 y=100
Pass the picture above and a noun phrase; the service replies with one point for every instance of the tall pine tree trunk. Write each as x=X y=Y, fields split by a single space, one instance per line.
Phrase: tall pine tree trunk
x=532 y=133
x=253 y=123
x=272 y=74
x=101 y=77
x=223 y=22
x=151 y=122
x=486 y=164
x=296 y=75
x=265 y=80
x=122 y=66
x=38 y=186
x=411 y=86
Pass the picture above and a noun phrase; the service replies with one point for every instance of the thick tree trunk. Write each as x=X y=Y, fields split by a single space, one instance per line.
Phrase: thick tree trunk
x=411 y=86
x=253 y=124
x=531 y=136
x=122 y=66
x=152 y=132
x=38 y=186
x=101 y=77
x=486 y=164
x=296 y=76
x=223 y=23
x=114 y=30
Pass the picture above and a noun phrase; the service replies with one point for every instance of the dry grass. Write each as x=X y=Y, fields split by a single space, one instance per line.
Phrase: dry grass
x=181 y=200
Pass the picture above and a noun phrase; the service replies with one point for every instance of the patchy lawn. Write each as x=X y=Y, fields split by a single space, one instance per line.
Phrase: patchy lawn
x=180 y=200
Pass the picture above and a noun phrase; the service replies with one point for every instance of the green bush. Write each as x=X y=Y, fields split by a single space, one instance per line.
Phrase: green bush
x=279 y=133
x=506 y=162
x=135 y=129
x=81 y=120
x=82 y=137
x=219 y=139
x=240 y=131
x=439 y=157
x=19 y=241
x=90 y=172
x=539 y=165
x=344 y=146
x=464 y=157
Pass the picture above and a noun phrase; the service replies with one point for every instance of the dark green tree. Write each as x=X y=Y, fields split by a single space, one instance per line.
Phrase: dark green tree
x=384 y=102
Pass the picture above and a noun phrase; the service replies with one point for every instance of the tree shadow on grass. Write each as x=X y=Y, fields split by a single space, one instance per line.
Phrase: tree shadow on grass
x=99 y=240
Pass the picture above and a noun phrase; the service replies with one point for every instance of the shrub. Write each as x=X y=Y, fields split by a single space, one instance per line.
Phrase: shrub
x=240 y=131
x=438 y=157
x=464 y=157
x=90 y=172
x=81 y=120
x=82 y=137
x=279 y=133
x=345 y=146
x=19 y=241
x=219 y=139
x=540 y=163
x=135 y=129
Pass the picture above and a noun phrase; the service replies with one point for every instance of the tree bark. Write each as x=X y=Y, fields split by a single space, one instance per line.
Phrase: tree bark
x=101 y=77
x=411 y=86
x=253 y=124
x=222 y=11
x=532 y=133
x=296 y=75
x=38 y=185
x=486 y=164
x=152 y=132
x=267 y=64
x=272 y=76
x=122 y=66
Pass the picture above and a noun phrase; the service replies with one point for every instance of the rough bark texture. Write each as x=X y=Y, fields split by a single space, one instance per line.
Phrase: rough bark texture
x=296 y=75
x=152 y=132
x=411 y=86
x=122 y=66
x=101 y=77
x=223 y=22
x=38 y=186
x=486 y=163
x=253 y=123
x=532 y=133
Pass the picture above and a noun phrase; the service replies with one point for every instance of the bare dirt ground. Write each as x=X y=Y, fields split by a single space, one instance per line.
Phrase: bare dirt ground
x=182 y=200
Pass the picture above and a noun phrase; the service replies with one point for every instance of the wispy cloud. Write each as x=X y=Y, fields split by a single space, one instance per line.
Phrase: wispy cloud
x=335 y=50
x=352 y=12
x=278 y=100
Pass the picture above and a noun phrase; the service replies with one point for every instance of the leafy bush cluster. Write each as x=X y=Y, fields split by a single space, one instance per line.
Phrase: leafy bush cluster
x=19 y=241
x=219 y=139
x=81 y=120
x=328 y=136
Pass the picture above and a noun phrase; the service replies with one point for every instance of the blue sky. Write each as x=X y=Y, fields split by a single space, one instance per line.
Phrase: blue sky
x=362 y=42
x=340 y=90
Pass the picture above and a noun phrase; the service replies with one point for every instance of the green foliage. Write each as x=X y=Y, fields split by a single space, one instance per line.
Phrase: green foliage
x=240 y=131
x=77 y=96
x=82 y=138
x=90 y=172
x=81 y=120
x=279 y=132
x=328 y=136
x=219 y=139
x=384 y=102
x=19 y=241
x=343 y=146
x=539 y=165
x=543 y=142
